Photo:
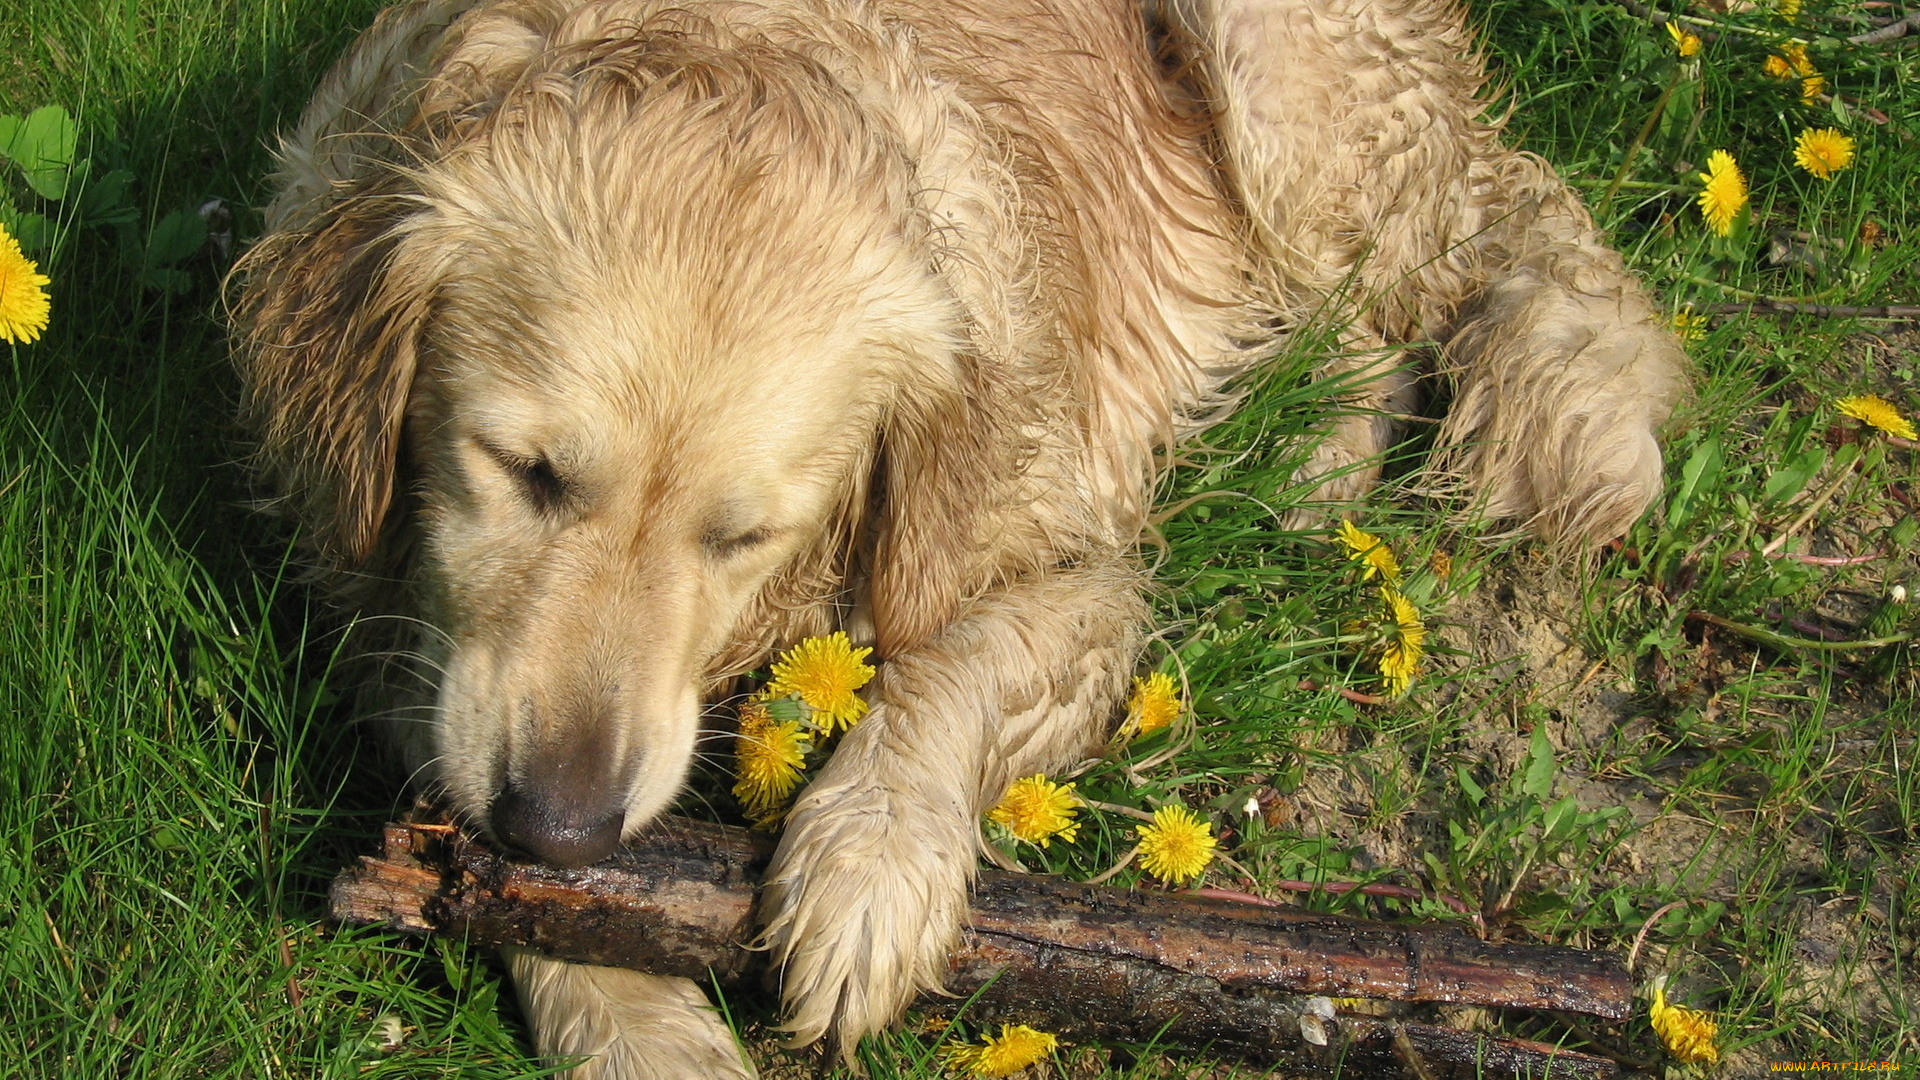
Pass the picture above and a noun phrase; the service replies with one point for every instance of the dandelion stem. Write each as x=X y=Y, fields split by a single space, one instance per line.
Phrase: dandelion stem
x=1631 y=185
x=1639 y=938
x=1753 y=297
x=1116 y=808
x=1104 y=875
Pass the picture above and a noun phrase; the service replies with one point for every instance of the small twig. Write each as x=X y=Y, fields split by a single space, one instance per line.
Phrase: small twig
x=1661 y=18
x=1354 y=696
x=1785 y=642
x=1780 y=306
x=1813 y=560
x=1821 y=632
x=1238 y=896
x=1830 y=560
x=1895 y=29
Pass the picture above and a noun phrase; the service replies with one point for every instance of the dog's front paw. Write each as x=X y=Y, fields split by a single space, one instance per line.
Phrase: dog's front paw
x=623 y=1025
x=863 y=902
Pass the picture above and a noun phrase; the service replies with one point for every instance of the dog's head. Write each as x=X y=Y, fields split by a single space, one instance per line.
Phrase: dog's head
x=611 y=353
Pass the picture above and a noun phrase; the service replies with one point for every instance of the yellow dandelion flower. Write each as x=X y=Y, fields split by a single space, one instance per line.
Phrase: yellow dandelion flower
x=769 y=759
x=1364 y=547
x=1793 y=62
x=1016 y=1047
x=1787 y=9
x=1877 y=412
x=1406 y=643
x=824 y=672
x=1155 y=704
x=1823 y=152
x=1725 y=194
x=1036 y=809
x=1688 y=1034
x=1688 y=43
x=1178 y=845
x=1689 y=326
x=24 y=306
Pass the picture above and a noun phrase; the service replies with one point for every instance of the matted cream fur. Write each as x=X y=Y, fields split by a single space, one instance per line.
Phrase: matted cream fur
x=611 y=345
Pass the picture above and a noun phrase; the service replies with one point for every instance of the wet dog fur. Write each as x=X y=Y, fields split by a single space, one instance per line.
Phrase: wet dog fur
x=608 y=346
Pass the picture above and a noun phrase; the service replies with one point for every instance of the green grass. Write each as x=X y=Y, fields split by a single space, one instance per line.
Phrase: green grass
x=1639 y=745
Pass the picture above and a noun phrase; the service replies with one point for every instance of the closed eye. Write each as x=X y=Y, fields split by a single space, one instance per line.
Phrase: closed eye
x=542 y=487
x=725 y=545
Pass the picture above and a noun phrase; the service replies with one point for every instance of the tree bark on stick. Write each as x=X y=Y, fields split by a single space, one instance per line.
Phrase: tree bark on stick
x=1085 y=962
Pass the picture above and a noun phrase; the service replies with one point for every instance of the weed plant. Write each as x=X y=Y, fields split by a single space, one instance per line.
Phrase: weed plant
x=1695 y=747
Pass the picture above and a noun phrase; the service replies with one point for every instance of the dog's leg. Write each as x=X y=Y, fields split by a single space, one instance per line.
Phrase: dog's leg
x=629 y=1026
x=1377 y=385
x=1352 y=132
x=868 y=890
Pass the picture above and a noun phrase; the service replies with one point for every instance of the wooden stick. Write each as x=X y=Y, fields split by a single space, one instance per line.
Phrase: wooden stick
x=1766 y=305
x=1896 y=29
x=1082 y=961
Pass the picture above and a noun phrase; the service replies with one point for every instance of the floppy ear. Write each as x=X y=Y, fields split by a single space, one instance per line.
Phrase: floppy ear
x=946 y=529
x=327 y=353
x=962 y=427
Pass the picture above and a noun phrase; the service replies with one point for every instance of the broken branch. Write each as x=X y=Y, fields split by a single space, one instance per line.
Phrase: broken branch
x=1083 y=961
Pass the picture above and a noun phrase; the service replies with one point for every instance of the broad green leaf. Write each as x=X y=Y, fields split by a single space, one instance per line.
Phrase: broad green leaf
x=34 y=231
x=1539 y=779
x=43 y=146
x=1474 y=791
x=785 y=709
x=1698 y=474
x=1791 y=479
x=1561 y=813
x=166 y=279
x=103 y=200
x=175 y=237
x=1903 y=533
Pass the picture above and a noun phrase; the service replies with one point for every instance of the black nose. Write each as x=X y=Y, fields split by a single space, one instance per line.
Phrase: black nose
x=558 y=831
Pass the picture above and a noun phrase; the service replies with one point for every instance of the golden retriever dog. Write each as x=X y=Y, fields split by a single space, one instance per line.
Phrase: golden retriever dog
x=610 y=345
